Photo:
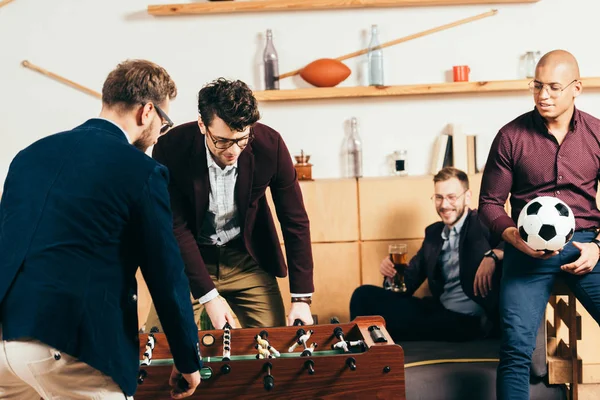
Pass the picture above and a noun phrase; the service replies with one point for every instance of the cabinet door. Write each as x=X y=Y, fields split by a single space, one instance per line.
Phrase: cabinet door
x=332 y=208
x=336 y=275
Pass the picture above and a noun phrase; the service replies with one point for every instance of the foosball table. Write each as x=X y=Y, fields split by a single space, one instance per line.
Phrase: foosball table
x=333 y=361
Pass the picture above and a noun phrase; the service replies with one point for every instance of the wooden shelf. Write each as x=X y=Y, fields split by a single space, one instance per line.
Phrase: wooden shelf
x=405 y=90
x=220 y=7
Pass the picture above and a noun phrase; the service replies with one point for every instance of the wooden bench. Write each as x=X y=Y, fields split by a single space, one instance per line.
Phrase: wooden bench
x=561 y=356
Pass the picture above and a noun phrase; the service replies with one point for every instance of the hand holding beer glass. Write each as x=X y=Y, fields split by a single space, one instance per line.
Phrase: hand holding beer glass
x=398 y=257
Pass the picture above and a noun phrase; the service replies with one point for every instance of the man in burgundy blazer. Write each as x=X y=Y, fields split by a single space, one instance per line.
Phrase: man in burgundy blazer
x=222 y=221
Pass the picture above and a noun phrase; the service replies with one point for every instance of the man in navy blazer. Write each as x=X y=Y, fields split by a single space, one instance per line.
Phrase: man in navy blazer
x=80 y=211
x=461 y=263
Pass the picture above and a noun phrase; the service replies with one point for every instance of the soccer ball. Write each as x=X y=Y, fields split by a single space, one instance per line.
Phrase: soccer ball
x=546 y=223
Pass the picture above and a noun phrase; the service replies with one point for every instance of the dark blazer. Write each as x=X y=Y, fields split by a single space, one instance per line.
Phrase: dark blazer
x=79 y=212
x=475 y=240
x=264 y=163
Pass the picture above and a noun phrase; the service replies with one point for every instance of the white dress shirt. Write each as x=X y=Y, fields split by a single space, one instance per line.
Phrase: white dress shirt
x=221 y=222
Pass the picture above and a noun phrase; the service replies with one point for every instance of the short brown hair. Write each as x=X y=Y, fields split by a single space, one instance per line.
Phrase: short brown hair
x=232 y=101
x=450 y=172
x=137 y=82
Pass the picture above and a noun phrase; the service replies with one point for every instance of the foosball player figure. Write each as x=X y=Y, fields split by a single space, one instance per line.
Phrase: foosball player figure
x=262 y=352
x=307 y=352
x=226 y=342
x=343 y=343
x=261 y=338
x=150 y=346
x=303 y=337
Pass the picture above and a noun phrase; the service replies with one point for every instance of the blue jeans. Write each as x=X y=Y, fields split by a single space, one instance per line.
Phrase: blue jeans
x=524 y=293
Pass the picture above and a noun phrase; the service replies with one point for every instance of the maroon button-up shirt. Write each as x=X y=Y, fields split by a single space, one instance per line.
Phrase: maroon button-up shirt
x=526 y=161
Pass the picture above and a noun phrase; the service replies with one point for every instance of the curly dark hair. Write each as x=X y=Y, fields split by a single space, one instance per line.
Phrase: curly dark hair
x=232 y=101
x=135 y=82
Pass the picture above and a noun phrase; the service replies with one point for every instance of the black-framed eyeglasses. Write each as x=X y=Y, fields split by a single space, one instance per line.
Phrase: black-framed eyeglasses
x=223 y=144
x=554 y=89
x=167 y=123
x=452 y=198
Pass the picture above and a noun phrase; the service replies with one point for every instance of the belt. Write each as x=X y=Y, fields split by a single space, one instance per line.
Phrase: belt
x=237 y=243
x=593 y=229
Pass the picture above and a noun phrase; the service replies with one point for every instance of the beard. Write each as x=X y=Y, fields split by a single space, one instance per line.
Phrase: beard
x=459 y=209
x=144 y=140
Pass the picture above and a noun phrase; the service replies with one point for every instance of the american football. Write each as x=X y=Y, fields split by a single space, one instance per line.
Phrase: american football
x=325 y=72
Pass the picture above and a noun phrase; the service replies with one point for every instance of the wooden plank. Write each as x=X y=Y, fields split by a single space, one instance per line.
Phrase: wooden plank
x=406 y=90
x=336 y=275
x=562 y=310
x=222 y=7
x=4 y=2
x=559 y=370
x=332 y=208
x=405 y=209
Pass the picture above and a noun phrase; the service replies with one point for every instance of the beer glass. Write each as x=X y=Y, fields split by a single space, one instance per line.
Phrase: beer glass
x=398 y=257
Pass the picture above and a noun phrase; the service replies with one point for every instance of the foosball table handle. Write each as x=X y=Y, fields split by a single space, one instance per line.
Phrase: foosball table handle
x=351 y=363
x=268 y=380
x=182 y=384
x=310 y=366
x=225 y=369
x=141 y=376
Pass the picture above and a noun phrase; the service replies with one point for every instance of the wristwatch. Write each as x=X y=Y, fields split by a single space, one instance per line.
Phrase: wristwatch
x=491 y=253
x=597 y=242
x=306 y=299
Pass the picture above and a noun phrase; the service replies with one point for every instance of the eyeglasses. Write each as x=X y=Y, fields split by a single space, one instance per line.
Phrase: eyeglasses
x=451 y=198
x=554 y=89
x=223 y=144
x=167 y=124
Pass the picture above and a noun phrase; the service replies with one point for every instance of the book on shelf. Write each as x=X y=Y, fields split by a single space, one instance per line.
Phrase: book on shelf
x=439 y=157
x=459 y=148
x=472 y=154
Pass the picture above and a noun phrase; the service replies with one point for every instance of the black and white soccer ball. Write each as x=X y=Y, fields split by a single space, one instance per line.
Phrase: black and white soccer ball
x=546 y=223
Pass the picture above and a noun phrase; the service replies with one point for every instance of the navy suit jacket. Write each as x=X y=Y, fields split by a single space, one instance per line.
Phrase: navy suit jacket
x=475 y=240
x=80 y=211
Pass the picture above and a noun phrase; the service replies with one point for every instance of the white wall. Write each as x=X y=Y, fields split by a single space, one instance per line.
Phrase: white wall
x=83 y=40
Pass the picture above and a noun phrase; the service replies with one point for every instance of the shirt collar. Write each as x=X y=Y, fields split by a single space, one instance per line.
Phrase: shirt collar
x=457 y=227
x=540 y=124
x=212 y=164
x=115 y=124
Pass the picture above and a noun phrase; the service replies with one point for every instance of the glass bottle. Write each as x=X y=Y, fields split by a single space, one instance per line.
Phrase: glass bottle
x=530 y=62
x=400 y=163
x=353 y=151
x=271 y=64
x=375 y=59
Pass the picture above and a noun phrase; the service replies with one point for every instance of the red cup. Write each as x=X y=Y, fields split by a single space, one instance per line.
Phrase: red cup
x=461 y=73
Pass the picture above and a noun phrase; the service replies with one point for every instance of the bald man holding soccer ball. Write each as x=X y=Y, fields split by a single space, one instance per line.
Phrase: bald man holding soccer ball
x=544 y=159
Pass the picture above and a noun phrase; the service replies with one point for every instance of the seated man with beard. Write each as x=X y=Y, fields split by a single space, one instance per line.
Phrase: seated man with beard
x=462 y=266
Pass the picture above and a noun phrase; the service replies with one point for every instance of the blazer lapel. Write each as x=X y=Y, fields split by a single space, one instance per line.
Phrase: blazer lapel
x=243 y=185
x=200 y=182
x=436 y=248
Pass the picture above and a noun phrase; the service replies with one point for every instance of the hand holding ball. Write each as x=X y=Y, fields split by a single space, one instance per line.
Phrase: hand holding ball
x=546 y=223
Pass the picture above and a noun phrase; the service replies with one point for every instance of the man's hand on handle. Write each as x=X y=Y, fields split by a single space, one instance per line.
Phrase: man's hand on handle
x=183 y=385
x=219 y=313
x=300 y=311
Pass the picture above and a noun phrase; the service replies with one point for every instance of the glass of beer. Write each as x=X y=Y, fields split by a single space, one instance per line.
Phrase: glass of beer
x=398 y=256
